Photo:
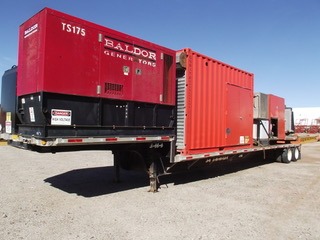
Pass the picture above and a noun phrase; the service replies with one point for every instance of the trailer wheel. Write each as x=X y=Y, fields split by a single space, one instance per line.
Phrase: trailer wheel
x=296 y=154
x=287 y=155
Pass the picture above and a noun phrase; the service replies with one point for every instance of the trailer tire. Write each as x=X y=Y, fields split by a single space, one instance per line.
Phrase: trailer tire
x=287 y=155
x=296 y=154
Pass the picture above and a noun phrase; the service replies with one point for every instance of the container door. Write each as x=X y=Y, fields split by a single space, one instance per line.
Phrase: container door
x=239 y=116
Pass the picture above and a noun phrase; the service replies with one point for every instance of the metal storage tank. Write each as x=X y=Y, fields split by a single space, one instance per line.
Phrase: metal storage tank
x=8 y=117
x=215 y=104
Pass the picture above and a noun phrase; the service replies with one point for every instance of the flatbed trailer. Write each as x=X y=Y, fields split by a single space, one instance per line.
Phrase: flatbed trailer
x=156 y=155
x=156 y=109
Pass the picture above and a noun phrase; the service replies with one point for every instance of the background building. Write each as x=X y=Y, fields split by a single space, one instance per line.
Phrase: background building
x=307 y=120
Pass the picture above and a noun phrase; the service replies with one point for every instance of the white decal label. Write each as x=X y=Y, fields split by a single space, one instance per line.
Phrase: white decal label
x=8 y=127
x=31 y=112
x=8 y=123
x=61 y=117
x=73 y=29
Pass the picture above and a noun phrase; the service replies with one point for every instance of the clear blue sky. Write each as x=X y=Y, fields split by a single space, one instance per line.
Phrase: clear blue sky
x=277 y=40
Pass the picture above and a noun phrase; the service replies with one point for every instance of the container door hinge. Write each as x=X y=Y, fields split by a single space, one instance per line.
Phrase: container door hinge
x=98 y=89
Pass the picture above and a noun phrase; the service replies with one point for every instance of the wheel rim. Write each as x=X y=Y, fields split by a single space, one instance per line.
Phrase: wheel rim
x=289 y=154
x=296 y=153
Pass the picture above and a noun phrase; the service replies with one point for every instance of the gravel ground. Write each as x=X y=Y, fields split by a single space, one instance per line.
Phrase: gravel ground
x=72 y=196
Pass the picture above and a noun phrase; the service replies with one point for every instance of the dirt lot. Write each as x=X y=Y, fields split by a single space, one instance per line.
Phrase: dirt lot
x=72 y=196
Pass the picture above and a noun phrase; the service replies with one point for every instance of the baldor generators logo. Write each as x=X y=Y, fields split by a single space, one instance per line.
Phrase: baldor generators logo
x=30 y=30
x=127 y=51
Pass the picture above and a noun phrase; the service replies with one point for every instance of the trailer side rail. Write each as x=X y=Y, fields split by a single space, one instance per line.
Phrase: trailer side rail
x=180 y=157
x=73 y=141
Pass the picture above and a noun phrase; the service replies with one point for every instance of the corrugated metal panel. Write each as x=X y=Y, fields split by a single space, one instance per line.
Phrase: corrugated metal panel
x=181 y=93
x=206 y=105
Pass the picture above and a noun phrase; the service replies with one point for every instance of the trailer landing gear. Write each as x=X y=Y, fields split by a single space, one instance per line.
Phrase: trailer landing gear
x=146 y=160
x=154 y=182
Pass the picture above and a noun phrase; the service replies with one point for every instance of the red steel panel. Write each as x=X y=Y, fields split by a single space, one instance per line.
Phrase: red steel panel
x=218 y=105
x=63 y=54
x=30 y=55
x=277 y=112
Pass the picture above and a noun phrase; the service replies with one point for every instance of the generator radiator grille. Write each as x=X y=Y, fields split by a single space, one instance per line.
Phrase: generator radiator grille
x=113 y=88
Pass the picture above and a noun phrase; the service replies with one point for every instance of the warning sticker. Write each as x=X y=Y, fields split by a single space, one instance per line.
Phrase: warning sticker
x=8 y=127
x=244 y=139
x=61 y=117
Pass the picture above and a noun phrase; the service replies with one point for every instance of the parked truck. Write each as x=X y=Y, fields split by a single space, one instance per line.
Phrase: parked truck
x=84 y=86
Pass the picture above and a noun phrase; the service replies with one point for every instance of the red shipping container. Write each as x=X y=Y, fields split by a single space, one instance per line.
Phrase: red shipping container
x=63 y=54
x=277 y=116
x=215 y=105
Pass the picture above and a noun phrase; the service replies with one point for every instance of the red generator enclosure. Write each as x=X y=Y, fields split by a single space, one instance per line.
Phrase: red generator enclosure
x=63 y=54
x=215 y=105
x=277 y=116
x=74 y=72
